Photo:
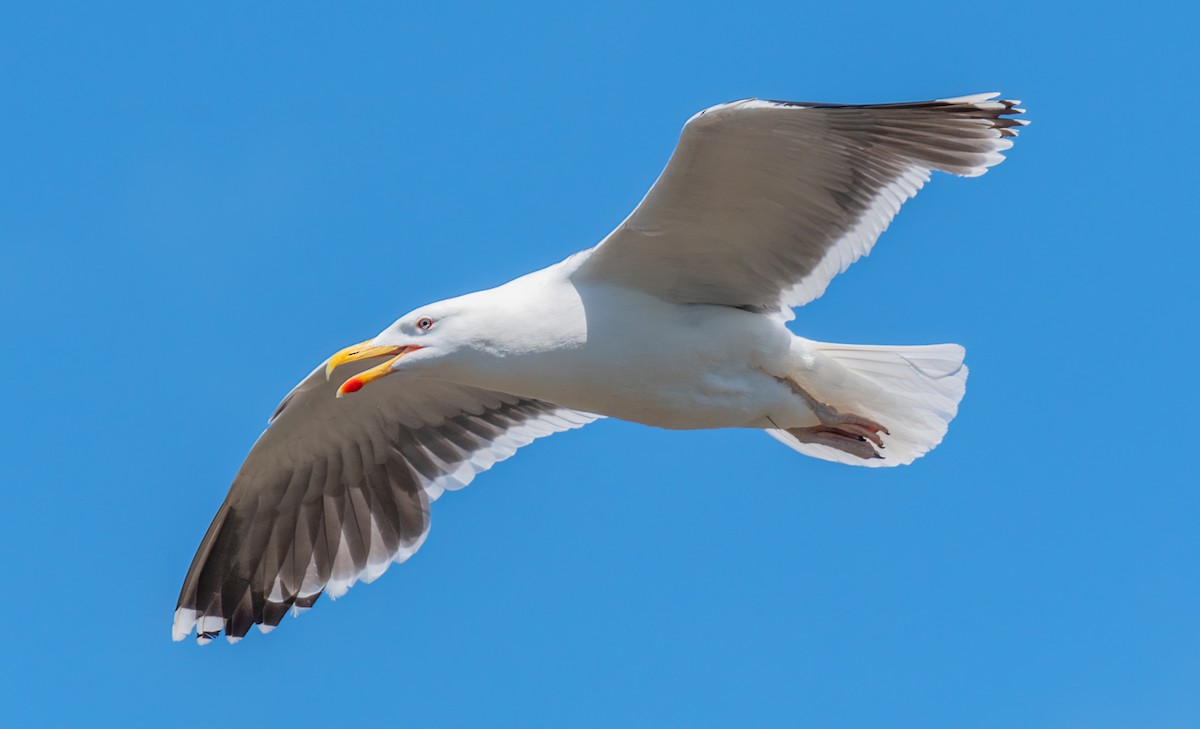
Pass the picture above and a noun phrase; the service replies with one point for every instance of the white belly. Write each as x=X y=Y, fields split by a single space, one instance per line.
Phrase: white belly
x=709 y=400
x=642 y=359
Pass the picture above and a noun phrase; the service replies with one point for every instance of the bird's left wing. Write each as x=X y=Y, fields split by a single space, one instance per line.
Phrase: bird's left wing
x=763 y=202
x=337 y=489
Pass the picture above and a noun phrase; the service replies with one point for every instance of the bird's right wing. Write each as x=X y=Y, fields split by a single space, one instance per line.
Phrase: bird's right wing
x=337 y=489
x=764 y=202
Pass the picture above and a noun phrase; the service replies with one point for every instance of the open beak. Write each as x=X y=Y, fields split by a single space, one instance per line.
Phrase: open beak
x=360 y=351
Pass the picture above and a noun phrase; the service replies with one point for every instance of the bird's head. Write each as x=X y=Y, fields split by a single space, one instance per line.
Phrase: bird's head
x=426 y=335
x=463 y=339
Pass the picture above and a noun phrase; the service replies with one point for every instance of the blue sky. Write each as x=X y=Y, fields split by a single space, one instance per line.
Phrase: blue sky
x=202 y=201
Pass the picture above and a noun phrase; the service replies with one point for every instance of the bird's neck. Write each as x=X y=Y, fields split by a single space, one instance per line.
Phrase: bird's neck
x=519 y=332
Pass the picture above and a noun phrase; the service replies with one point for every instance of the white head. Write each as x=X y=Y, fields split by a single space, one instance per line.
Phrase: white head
x=468 y=338
x=432 y=335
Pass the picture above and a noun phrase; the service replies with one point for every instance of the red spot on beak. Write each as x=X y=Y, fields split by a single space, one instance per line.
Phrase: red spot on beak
x=352 y=385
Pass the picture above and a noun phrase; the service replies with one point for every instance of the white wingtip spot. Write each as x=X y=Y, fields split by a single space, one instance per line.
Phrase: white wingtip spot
x=185 y=620
x=210 y=623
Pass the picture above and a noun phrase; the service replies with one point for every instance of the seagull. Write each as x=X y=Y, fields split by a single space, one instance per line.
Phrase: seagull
x=677 y=320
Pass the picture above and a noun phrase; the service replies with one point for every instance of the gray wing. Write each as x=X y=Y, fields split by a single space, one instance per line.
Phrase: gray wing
x=336 y=490
x=764 y=202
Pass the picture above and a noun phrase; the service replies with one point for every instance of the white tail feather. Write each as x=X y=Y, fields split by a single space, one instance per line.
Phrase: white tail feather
x=913 y=391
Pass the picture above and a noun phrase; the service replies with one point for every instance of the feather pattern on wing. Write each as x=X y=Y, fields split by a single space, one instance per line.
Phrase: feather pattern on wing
x=764 y=202
x=336 y=490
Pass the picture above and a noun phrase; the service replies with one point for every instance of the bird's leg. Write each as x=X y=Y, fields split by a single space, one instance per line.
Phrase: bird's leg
x=847 y=432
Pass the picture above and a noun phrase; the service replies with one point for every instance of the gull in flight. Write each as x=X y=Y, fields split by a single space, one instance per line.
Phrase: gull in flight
x=677 y=319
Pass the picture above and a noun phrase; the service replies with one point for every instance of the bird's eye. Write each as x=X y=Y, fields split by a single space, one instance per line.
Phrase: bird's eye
x=424 y=323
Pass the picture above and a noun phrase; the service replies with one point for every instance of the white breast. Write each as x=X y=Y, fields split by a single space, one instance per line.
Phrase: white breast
x=633 y=356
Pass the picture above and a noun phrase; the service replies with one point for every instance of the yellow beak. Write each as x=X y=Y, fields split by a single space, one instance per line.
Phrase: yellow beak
x=361 y=351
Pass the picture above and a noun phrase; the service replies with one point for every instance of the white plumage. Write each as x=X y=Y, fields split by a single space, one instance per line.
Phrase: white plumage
x=676 y=320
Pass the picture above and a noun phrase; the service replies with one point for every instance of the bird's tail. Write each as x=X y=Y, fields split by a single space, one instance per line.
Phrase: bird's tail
x=912 y=391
